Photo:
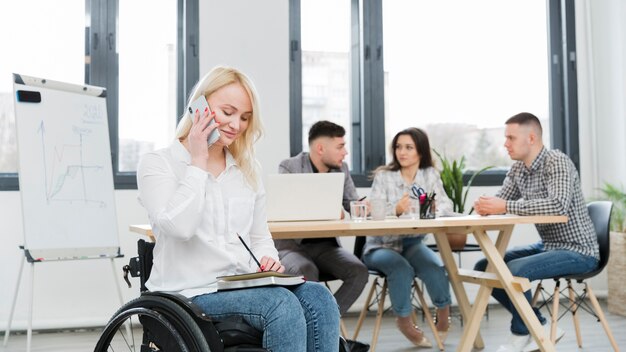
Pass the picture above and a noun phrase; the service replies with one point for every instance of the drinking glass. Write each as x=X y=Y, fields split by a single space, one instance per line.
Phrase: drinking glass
x=358 y=211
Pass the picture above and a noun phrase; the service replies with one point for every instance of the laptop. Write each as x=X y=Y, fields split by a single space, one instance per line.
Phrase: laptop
x=311 y=196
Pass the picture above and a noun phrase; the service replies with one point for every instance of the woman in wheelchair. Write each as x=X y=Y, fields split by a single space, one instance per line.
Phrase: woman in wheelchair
x=201 y=196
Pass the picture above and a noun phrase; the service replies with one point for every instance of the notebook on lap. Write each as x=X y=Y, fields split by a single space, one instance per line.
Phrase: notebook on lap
x=265 y=278
x=294 y=197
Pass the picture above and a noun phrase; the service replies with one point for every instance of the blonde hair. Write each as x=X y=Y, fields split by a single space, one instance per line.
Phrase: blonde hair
x=242 y=148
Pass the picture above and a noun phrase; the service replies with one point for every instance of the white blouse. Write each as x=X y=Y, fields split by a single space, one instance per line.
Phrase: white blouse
x=196 y=217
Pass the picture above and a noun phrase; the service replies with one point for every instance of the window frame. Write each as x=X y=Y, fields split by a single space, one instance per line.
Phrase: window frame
x=367 y=68
x=368 y=96
x=102 y=69
x=563 y=78
x=108 y=72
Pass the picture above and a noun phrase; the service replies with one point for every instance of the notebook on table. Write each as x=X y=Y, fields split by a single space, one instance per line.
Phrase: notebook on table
x=299 y=197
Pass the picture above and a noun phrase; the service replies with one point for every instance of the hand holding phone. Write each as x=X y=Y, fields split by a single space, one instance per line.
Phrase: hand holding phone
x=201 y=105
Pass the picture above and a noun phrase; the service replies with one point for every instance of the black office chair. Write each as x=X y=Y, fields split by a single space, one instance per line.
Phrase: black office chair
x=600 y=213
x=377 y=294
x=170 y=322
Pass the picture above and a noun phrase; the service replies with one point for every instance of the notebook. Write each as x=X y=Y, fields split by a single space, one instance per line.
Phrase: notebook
x=264 y=278
x=313 y=196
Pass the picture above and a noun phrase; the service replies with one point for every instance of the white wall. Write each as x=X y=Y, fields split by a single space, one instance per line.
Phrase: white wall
x=253 y=36
x=601 y=41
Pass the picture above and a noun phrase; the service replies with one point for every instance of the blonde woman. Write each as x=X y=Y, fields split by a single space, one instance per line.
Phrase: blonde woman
x=199 y=197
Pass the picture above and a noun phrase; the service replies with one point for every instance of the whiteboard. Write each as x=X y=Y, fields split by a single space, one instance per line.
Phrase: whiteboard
x=65 y=171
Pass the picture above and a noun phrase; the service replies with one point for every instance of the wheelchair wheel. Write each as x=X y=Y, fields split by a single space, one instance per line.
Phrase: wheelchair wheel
x=151 y=323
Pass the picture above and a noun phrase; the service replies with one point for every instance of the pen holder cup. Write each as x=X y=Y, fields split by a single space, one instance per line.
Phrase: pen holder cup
x=427 y=209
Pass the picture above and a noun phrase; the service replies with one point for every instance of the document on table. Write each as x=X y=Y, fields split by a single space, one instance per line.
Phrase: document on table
x=264 y=278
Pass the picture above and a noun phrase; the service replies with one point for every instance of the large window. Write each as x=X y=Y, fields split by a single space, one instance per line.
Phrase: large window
x=457 y=68
x=325 y=64
x=147 y=84
x=39 y=38
x=147 y=67
x=469 y=66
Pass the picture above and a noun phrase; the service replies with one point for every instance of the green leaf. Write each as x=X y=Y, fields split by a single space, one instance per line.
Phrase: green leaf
x=469 y=183
x=618 y=197
x=452 y=179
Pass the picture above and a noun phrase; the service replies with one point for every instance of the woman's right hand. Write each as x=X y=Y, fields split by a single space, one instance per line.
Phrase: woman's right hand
x=270 y=264
x=403 y=204
x=197 y=138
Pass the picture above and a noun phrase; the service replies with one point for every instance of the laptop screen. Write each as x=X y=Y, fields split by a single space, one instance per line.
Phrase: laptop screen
x=311 y=196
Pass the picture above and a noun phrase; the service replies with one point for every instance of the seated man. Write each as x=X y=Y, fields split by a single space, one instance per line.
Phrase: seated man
x=309 y=257
x=540 y=182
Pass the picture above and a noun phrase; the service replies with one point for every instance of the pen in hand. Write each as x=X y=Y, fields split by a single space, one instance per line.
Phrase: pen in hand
x=249 y=251
x=362 y=199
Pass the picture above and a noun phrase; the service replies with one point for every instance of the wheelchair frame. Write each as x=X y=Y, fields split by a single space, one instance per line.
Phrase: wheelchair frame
x=170 y=321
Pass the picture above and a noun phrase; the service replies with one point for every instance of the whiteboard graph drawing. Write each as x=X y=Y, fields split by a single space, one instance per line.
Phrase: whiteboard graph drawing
x=66 y=179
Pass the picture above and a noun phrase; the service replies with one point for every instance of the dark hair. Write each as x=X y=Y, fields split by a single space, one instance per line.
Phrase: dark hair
x=525 y=119
x=325 y=129
x=422 y=145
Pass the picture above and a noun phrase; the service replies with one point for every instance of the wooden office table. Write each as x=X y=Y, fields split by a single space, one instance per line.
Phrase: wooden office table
x=498 y=274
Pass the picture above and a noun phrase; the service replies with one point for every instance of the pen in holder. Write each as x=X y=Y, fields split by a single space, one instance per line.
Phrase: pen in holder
x=427 y=205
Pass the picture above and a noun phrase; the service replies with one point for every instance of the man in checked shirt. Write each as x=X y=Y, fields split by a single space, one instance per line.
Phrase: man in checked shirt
x=540 y=182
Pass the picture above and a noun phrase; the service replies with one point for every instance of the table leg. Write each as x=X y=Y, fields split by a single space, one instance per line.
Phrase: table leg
x=482 y=298
x=471 y=330
x=497 y=264
x=457 y=286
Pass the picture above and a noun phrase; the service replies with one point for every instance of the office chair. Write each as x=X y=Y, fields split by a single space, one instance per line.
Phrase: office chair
x=600 y=213
x=171 y=322
x=378 y=293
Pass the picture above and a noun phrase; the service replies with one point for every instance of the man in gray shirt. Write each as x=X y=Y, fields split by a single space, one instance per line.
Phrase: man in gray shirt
x=310 y=257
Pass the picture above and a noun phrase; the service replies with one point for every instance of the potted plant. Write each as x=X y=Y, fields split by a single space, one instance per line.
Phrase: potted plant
x=452 y=178
x=616 y=267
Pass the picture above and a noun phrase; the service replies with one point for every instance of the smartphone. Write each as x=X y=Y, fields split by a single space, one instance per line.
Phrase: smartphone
x=201 y=104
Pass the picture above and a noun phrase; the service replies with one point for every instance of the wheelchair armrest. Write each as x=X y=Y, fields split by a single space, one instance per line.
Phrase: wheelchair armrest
x=183 y=301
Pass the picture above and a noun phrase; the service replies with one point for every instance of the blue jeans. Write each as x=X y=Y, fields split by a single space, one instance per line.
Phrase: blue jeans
x=296 y=318
x=400 y=269
x=535 y=263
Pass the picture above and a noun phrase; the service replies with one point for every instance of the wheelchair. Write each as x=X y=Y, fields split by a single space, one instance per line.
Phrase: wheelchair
x=163 y=321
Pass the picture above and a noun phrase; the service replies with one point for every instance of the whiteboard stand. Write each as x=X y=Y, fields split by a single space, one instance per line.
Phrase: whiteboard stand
x=65 y=176
x=32 y=261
